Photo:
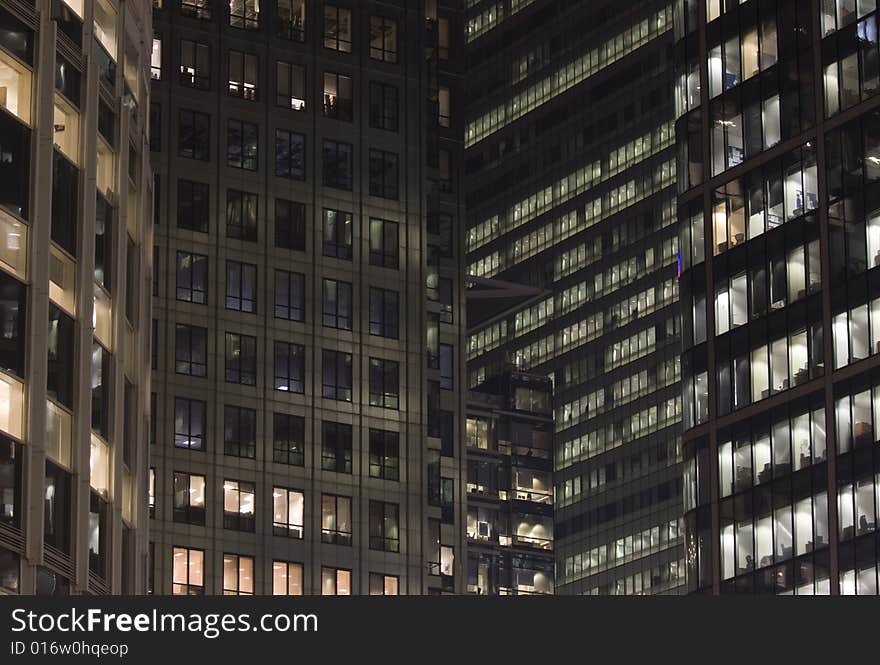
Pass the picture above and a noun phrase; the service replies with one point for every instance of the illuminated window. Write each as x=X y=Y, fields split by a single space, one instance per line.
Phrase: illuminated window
x=287 y=520
x=287 y=578
x=335 y=581
x=238 y=575
x=15 y=87
x=188 y=577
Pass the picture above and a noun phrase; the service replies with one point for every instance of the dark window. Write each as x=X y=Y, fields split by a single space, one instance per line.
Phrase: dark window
x=444 y=292
x=336 y=304
x=444 y=231
x=241 y=359
x=290 y=86
x=290 y=295
x=154 y=344
x=157 y=199
x=384 y=312
x=290 y=148
x=446 y=422
x=10 y=481
x=67 y=79
x=155 y=127
x=132 y=281
x=384 y=454
x=65 y=201
x=189 y=498
x=384 y=526
x=335 y=519
x=13 y=319
x=243 y=75
x=337 y=28
x=19 y=37
x=292 y=19
x=241 y=287
x=101 y=372
x=194 y=135
x=290 y=367
x=238 y=505
x=383 y=174
x=97 y=534
x=56 y=507
x=336 y=375
x=383 y=39
x=446 y=364
x=288 y=442
x=337 y=234
x=337 y=97
x=239 y=431
x=241 y=215
x=383 y=106
x=241 y=145
x=383 y=243
x=195 y=65
x=290 y=225
x=130 y=422
x=154 y=417
x=15 y=166
x=60 y=374
x=192 y=278
x=336 y=446
x=190 y=423
x=104 y=245
x=192 y=205
x=337 y=171
x=384 y=383
x=191 y=350
x=107 y=121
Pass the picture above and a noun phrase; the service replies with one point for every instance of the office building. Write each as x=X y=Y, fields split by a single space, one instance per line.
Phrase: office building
x=307 y=405
x=509 y=487
x=570 y=168
x=778 y=140
x=75 y=248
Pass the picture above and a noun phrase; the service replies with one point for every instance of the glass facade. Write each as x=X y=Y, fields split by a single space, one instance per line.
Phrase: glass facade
x=75 y=273
x=776 y=199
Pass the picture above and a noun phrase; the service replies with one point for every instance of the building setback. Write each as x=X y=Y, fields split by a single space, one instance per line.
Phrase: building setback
x=75 y=232
x=778 y=138
x=570 y=169
x=307 y=380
